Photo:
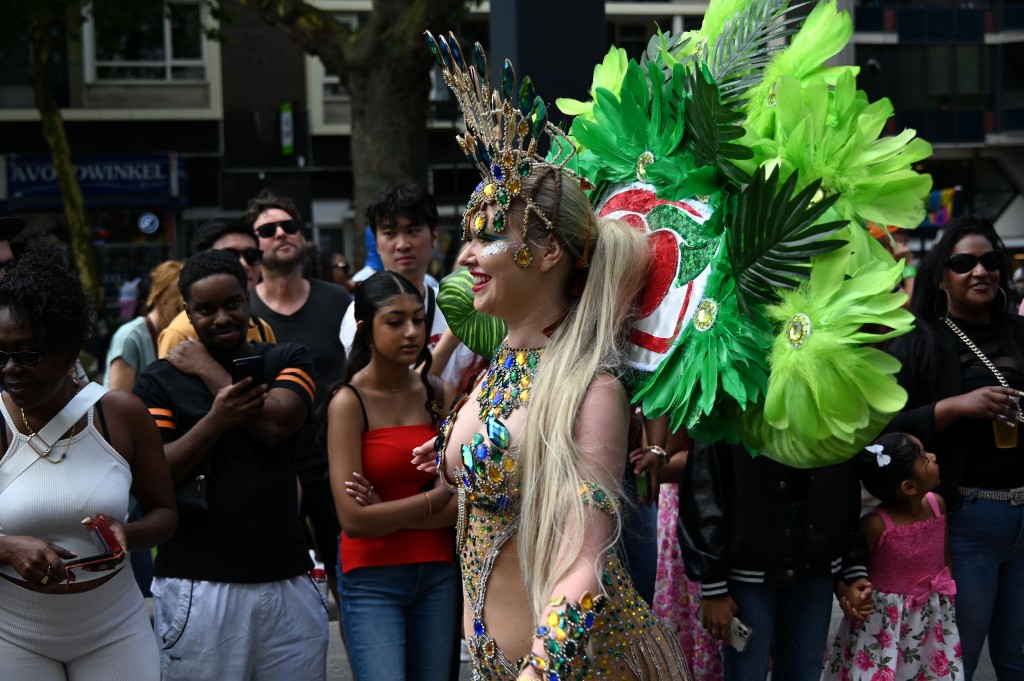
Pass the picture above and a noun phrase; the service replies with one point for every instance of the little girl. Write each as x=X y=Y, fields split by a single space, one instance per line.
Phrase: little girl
x=910 y=634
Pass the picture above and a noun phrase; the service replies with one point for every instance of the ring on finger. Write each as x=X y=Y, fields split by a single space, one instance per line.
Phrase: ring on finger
x=45 y=580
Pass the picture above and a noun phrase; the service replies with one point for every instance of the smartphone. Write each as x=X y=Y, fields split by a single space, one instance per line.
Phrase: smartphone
x=248 y=367
x=739 y=631
x=106 y=541
x=643 y=484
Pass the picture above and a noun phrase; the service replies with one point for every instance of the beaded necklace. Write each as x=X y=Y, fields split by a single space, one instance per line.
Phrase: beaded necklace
x=506 y=384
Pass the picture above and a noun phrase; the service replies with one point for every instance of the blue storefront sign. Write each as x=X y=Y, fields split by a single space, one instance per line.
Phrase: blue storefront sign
x=106 y=181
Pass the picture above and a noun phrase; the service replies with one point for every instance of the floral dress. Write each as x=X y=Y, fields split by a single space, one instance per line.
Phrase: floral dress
x=912 y=634
x=676 y=598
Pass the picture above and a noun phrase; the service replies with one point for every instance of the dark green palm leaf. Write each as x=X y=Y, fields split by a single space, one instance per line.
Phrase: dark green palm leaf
x=747 y=43
x=480 y=332
x=773 y=234
x=711 y=127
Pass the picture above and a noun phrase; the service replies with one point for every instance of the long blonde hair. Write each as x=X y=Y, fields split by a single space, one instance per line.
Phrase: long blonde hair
x=589 y=341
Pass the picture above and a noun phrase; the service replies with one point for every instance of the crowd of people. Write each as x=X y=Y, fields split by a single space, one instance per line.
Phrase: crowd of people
x=256 y=426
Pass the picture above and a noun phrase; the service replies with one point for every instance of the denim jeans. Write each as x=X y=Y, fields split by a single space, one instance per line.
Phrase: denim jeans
x=794 y=616
x=639 y=542
x=400 y=621
x=987 y=546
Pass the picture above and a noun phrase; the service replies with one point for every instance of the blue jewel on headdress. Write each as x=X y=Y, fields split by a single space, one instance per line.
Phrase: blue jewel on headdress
x=496 y=171
x=456 y=52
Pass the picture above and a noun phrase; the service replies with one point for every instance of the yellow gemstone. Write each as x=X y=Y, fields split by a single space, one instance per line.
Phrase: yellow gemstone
x=559 y=633
x=479 y=222
x=552 y=619
x=798 y=330
x=524 y=396
x=513 y=185
x=489 y=189
x=524 y=382
x=587 y=601
x=506 y=159
x=489 y=648
x=494 y=474
x=509 y=464
x=520 y=358
x=707 y=313
x=524 y=257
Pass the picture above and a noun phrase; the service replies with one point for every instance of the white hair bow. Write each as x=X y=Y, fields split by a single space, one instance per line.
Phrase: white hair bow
x=881 y=457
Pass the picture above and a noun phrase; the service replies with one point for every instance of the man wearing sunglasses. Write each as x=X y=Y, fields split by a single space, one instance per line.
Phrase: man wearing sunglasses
x=306 y=311
x=233 y=236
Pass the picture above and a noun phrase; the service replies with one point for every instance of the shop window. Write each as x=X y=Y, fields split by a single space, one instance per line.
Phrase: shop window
x=158 y=43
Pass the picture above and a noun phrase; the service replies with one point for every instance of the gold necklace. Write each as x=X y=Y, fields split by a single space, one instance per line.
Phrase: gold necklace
x=46 y=455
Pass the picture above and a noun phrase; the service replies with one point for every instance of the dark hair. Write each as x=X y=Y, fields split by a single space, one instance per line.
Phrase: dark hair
x=266 y=200
x=929 y=305
x=370 y=297
x=404 y=200
x=884 y=481
x=43 y=292
x=211 y=230
x=206 y=264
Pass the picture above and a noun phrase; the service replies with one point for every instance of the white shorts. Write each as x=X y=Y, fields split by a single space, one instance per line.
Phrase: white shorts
x=274 y=631
x=98 y=635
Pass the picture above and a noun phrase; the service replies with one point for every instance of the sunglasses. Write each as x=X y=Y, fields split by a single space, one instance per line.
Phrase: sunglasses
x=269 y=229
x=962 y=263
x=25 y=358
x=252 y=255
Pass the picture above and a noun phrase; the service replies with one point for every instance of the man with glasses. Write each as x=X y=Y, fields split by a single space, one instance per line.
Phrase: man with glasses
x=306 y=311
x=221 y=234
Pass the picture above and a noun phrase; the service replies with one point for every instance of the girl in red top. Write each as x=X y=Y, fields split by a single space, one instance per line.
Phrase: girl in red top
x=399 y=586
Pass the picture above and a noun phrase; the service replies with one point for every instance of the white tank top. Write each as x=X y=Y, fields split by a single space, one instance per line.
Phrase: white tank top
x=49 y=500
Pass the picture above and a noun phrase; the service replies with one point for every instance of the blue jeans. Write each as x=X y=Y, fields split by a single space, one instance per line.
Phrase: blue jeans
x=400 y=621
x=987 y=546
x=639 y=542
x=794 y=616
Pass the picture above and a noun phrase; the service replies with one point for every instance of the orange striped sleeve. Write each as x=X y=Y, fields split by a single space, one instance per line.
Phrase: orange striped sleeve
x=164 y=418
x=161 y=412
x=290 y=377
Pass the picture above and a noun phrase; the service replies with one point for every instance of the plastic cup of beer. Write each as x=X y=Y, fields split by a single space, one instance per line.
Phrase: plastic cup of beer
x=1006 y=431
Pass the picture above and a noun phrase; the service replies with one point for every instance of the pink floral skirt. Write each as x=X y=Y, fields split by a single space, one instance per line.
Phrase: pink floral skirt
x=676 y=598
x=898 y=642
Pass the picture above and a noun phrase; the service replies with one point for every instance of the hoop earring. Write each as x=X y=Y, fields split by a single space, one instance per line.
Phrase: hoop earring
x=939 y=314
x=1006 y=301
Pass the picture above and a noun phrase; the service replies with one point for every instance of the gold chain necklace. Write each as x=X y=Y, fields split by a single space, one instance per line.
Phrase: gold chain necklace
x=46 y=455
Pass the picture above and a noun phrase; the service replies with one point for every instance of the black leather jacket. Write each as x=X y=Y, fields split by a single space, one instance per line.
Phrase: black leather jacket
x=754 y=520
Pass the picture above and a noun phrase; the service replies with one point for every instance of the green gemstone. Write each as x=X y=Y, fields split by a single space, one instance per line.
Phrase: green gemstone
x=498 y=223
x=524 y=168
x=552 y=647
x=503 y=198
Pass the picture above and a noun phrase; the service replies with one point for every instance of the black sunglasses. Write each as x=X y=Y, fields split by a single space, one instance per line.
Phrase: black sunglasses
x=252 y=255
x=962 y=263
x=269 y=229
x=25 y=358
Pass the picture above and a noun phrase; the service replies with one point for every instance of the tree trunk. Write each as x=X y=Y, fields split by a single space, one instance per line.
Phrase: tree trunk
x=385 y=66
x=56 y=138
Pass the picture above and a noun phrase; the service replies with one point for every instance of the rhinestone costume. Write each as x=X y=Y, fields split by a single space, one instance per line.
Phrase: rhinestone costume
x=627 y=640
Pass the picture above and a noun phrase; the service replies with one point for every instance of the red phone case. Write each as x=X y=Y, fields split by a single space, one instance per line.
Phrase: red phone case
x=106 y=542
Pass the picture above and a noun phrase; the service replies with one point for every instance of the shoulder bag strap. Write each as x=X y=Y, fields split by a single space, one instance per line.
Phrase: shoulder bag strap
x=69 y=415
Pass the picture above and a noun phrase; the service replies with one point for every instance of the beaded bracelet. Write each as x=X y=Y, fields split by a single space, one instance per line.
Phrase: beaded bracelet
x=565 y=634
x=660 y=452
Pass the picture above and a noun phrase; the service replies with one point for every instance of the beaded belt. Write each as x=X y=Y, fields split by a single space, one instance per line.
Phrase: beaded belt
x=1014 y=496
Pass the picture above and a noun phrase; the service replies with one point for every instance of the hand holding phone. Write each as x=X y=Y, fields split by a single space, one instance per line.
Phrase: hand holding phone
x=739 y=631
x=248 y=367
x=111 y=553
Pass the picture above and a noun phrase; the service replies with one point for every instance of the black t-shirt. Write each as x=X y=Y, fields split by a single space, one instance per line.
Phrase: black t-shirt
x=986 y=466
x=315 y=325
x=251 y=532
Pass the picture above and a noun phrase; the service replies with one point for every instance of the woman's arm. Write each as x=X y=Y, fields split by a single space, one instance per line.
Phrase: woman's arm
x=151 y=477
x=344 y=452
x=601 y=434
x=121 y=375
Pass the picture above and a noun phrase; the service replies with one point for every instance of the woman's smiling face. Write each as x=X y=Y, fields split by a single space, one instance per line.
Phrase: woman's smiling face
x=970 y=293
